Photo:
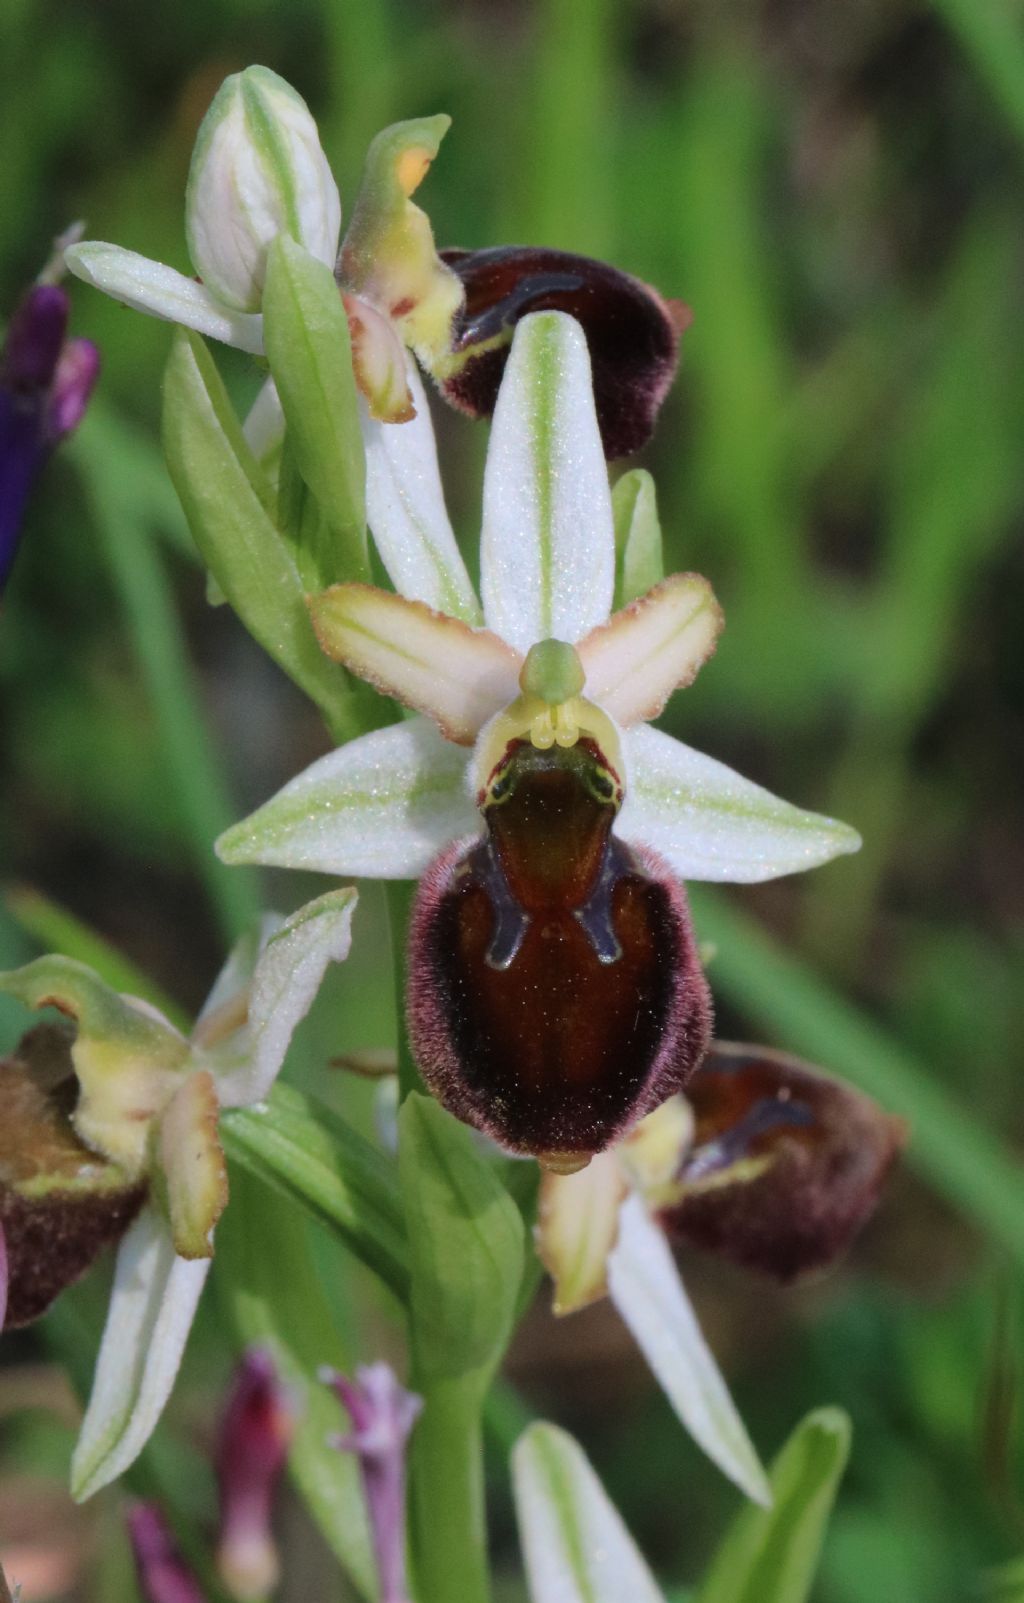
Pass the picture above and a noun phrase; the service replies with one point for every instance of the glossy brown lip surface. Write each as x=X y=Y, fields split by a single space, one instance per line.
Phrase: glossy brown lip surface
x=632 y=333
x=786 y=1165
x=555 y=994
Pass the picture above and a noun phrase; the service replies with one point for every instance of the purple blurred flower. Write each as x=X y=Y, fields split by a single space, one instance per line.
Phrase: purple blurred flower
x=163 y=1574
x=255 y=1436
x=45 y=383
x=382 y=1414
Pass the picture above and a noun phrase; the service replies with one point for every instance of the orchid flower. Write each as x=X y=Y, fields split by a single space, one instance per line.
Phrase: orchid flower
x=555 y=994
x=764 y=1161
x=144 y=1133
x=258 y=171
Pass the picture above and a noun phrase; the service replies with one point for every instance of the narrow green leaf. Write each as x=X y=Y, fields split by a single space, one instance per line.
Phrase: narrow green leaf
x=771 y=1555
x=465 y=1244
x=256 y=1237
x=639 y=560
x=307 y=339
x=228 y=505
x=309 y=1153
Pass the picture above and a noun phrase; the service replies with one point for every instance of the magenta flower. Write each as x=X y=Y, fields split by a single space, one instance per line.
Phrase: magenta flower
x=164 y=1577
x=252 y=1449
x=382 y=1414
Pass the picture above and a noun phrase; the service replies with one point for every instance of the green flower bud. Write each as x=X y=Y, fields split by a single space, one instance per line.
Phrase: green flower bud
x=257 y=171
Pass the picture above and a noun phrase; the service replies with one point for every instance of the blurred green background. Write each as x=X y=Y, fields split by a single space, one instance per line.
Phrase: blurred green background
x=835 y=187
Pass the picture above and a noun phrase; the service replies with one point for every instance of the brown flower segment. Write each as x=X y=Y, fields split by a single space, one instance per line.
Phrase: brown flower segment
x=555 y=993
x=785 y=1167
x=60 y=1204
x=632 y=333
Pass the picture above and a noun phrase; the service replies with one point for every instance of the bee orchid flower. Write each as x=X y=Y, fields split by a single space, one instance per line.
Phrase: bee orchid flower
x=555 y=994
x=129 y=1148
x=764 y=1161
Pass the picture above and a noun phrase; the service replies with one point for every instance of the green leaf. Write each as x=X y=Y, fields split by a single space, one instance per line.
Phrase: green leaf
x=639 y=560
x=228 y=503
x=466 y=1244
x=309 y=1153
x=576 y=1546
x=256 y=1236
x=307 y=340
x=771 y=1555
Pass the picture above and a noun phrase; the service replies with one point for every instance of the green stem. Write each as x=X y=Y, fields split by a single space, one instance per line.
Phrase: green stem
x=447 y=1525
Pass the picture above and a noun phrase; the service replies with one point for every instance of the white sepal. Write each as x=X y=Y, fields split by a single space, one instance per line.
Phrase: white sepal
x=380 y=807
x=407 y=515
x=162 y=292
x=576 y=1547
x=710 y=823
x=150 y=1315
x=287 y=977
x=646 y=1289
x=547 y=549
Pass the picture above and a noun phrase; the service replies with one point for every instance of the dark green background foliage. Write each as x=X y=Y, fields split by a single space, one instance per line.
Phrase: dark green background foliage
x=834 y=187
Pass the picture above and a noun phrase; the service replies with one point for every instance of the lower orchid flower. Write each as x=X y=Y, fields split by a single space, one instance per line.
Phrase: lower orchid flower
x=555 y=992
x=765 y=1161
x=113 y=1129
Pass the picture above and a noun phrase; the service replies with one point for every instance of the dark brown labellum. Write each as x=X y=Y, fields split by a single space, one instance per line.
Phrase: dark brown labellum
x=555 y=994
x=786 y=1164
x=632 y=333
x=60 y=1204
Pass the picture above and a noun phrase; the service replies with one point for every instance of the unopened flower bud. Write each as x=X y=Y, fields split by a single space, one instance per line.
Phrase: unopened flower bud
x=257 y=171
x=255 y=1435
x=164 y=1577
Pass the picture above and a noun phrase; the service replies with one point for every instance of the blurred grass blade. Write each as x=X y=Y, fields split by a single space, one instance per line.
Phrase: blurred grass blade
x=964 y=1161
x=139 y=573
x=576 y=1546
x=219 y=483
x=57 y=930
x=257 y=1235
x=771 y=1555
x=308 y=346
x=310 y=1154
x=991 y=34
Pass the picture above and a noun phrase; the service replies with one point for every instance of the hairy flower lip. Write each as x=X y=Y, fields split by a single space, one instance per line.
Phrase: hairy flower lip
x=483 y=1090
x=632 y=331
x=786 y=1166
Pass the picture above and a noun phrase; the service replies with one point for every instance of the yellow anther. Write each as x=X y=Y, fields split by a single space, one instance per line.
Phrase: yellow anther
x=567 y=729
x=542 y=730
